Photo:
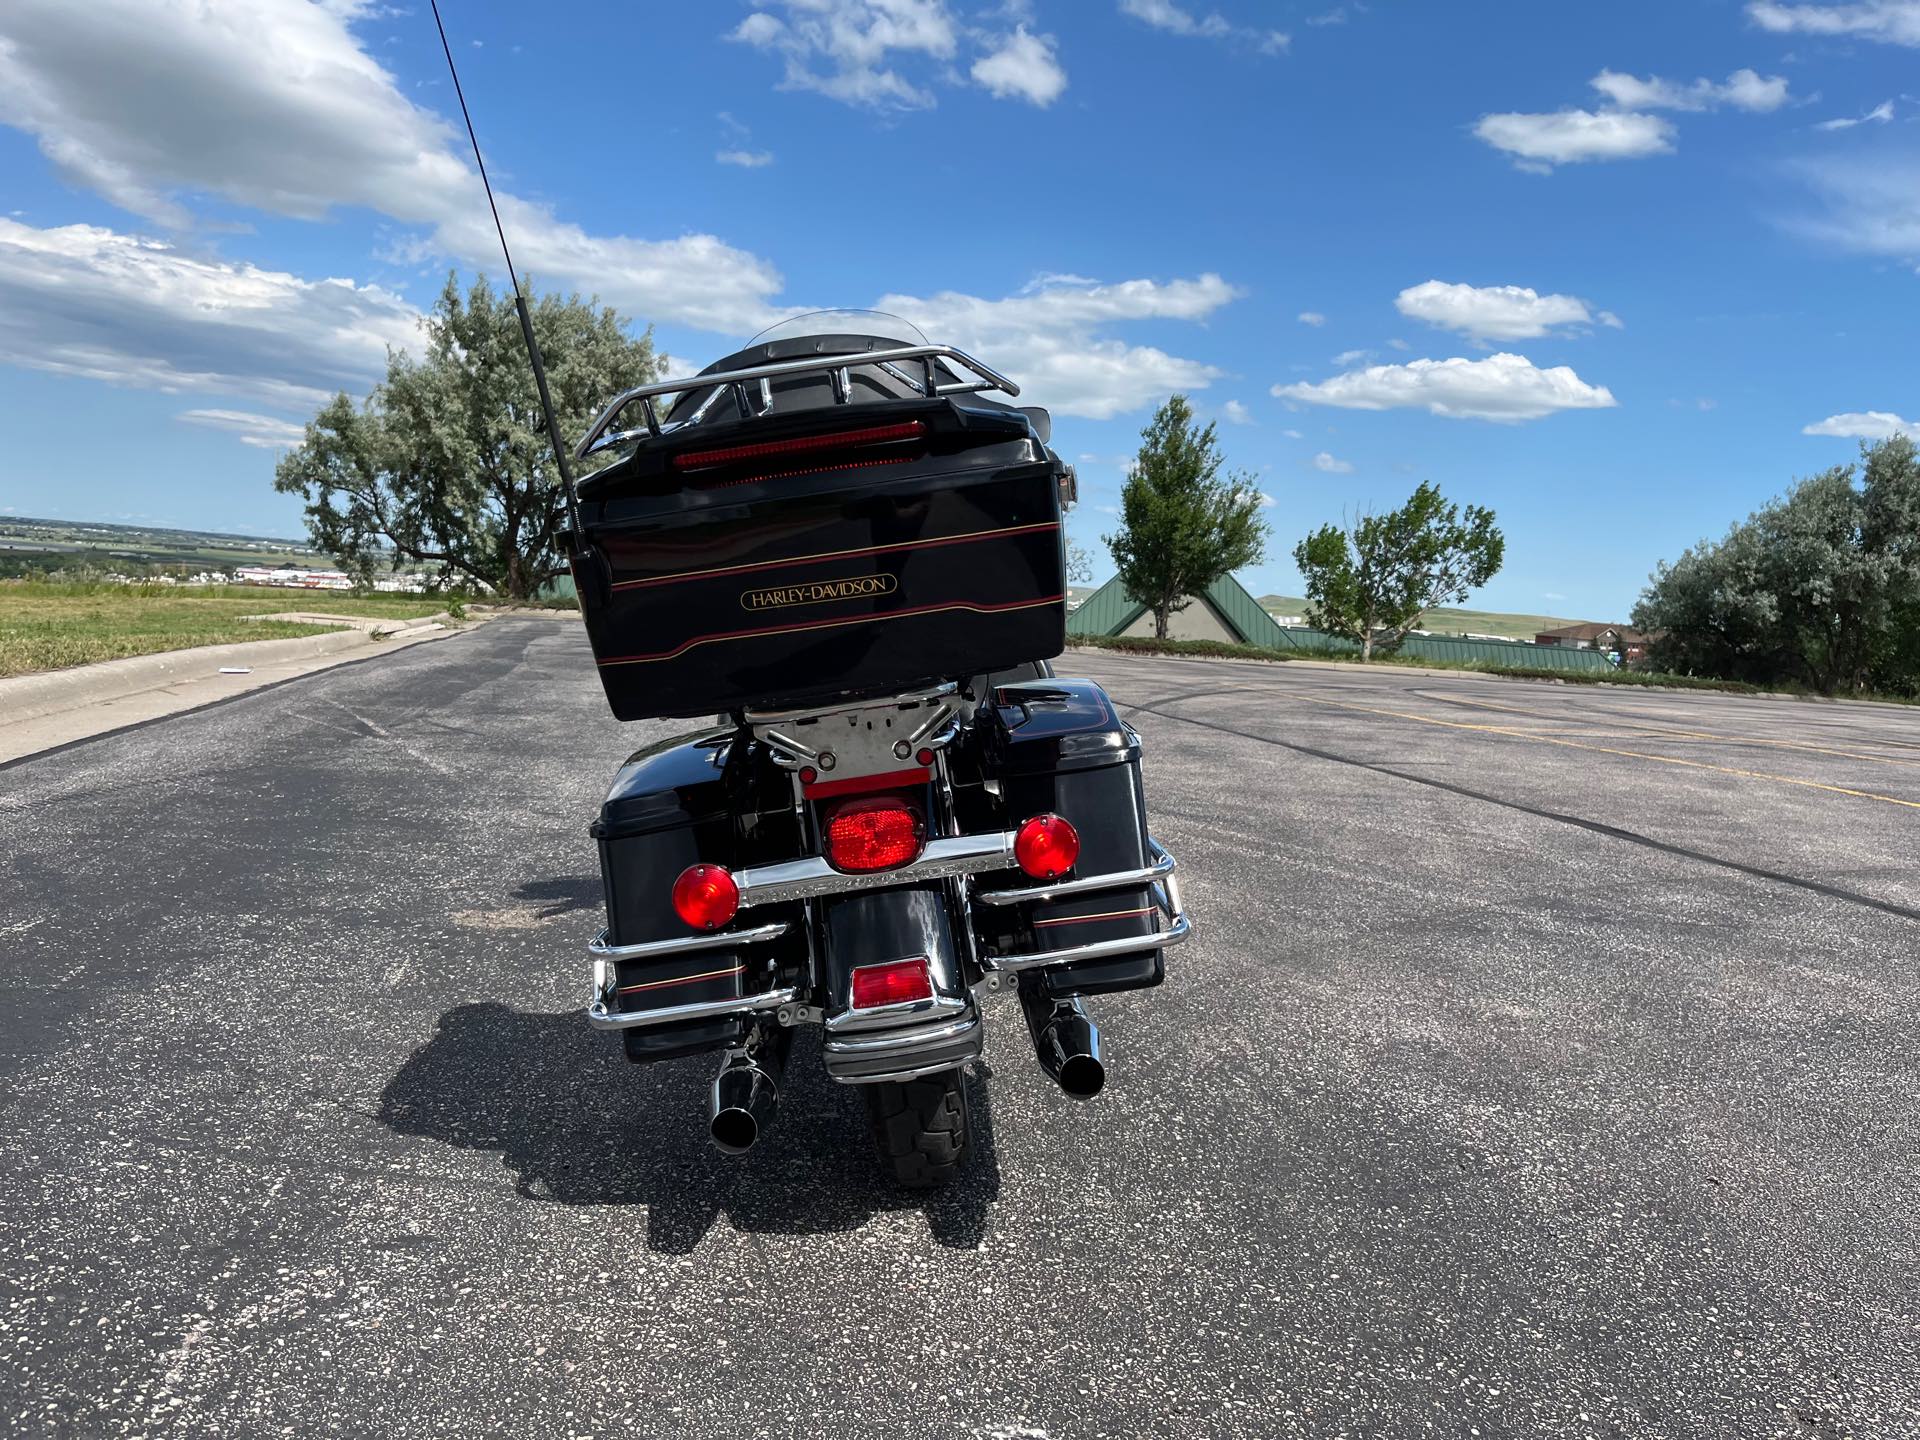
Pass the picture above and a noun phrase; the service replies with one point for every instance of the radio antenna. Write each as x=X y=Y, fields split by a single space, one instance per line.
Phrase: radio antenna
x=519 y=298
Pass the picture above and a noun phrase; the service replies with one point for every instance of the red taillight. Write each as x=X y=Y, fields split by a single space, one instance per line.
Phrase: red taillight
x=1046 y=846
x=876 y=833
x=705 y=896
x=802 y=445
x=892 y=983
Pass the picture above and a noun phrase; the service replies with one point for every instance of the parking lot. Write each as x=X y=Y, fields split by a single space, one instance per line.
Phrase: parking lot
x=1544 y=1064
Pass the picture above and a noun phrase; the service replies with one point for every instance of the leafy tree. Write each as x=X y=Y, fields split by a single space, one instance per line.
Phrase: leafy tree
x=1181 y=525
x=1079 y=564
x=1373 y=583
x=1821 y=586
x=447 y=462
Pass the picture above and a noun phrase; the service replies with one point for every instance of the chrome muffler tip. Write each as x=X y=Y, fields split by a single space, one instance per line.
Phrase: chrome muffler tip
x=744 y=1098
x=1066 y=1043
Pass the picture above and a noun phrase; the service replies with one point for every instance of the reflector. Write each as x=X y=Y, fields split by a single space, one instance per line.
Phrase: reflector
x=892 y=983
x=878 y=832
x=1046 y=847
x=705 y=896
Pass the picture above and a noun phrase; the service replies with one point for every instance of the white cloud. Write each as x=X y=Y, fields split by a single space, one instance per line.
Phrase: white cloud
x=1502 y=387
x=1312 y=317
x=1022 y=68
x=1892 y=22
x=745 y=159
x=86 y=301
x=1176 y=20
x=1879 y=115
x=289 y=115
x=1495 y=312
x=1236 y=413
x=845 y=49
x=1871 y=206
x=1743 y=90
x=1053 y=339
x=1352 y=357
x=1293 y=434
x=1325 y=462
x=1864 y=425
x=264 y=431
x=1568 y=137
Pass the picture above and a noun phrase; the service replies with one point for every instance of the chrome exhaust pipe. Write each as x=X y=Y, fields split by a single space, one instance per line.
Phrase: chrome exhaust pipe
x=745 y=1093
x=1066 y=1043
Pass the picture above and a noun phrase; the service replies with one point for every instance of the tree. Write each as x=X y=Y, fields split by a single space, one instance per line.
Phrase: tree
x=1181 y=525
x=1373 y=584
x=447 y=462
x=1821 y=586
x=1079 y=564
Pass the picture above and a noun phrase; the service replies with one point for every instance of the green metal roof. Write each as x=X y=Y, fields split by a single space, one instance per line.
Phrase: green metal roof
x=1110 y=610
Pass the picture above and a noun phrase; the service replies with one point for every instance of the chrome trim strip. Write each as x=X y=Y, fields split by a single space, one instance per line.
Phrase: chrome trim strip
x=882 y=1016
x=892 y=1075
x=1162 y=867
x=1176 y=932
x=803 y=879
x=600 y=949
x=901 y=1039
x=834 y=366
x=602 y=1018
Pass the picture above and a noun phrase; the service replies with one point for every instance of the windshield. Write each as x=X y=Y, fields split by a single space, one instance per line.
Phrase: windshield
x=876 y=324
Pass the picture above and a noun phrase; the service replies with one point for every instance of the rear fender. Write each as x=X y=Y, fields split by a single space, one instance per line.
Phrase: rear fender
x=876 y=926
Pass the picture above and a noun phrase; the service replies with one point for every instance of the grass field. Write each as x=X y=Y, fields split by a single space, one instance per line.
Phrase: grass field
x=1448 y=619
x=53 y=627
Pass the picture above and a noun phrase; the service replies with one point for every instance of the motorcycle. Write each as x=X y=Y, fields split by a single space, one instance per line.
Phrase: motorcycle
x=840 y=543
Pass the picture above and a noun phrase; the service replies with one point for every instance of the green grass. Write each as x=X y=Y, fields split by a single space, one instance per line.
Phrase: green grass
x=1221 y=650
x=45 y=626
x=1448 y=619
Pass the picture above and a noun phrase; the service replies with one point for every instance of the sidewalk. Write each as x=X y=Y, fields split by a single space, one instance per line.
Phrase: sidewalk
x=40 y=712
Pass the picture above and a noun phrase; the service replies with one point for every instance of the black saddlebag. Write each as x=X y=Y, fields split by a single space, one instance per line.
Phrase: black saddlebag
x=1059 y=746
x=672 y=805
x=847 y=551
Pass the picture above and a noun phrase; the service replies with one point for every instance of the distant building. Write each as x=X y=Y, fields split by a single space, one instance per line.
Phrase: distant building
x=1629 y=644
x=292 y=577
x=1224 y=612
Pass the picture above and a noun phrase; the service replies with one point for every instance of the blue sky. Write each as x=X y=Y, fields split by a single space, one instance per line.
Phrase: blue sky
x=1322 y=220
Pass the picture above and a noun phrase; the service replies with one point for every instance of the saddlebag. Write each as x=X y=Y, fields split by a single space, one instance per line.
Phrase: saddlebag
x=1059 y=746
x=792 y=559
x=672 y=805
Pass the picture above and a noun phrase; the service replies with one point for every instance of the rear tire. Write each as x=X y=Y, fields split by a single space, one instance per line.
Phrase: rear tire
x=921 y=1128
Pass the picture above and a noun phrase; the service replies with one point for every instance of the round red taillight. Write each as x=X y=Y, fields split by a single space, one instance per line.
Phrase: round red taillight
x=705 y=896
x=1046 y=847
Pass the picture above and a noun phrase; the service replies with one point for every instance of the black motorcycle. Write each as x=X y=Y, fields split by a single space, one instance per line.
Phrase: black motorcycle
x=836 y=540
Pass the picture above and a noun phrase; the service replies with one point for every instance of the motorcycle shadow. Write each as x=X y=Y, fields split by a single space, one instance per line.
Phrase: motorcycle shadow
x=578 y=1125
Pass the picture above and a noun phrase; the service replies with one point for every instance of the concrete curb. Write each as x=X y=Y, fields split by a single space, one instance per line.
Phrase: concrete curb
x=28 y=697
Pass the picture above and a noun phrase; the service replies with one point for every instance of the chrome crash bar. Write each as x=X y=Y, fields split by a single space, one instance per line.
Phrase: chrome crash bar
x=602 y=1016
x=956 y=855
x=1164 y=887
x=836 y=367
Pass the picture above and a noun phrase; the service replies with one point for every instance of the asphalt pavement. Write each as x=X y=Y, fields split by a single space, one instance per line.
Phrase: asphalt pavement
x=1543 y=1064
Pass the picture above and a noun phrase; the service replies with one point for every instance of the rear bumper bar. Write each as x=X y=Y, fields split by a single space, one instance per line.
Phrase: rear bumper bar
x=1163 y=885
x=958 y=855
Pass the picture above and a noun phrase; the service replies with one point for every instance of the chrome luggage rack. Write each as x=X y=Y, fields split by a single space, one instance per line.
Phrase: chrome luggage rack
x=835 y=367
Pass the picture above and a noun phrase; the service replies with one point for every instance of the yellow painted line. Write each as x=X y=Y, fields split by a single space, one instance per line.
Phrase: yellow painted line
x=1512 y=733
x=1678 y=734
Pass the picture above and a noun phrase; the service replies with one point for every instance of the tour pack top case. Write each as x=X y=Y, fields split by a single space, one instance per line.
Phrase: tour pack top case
x=841 y=532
